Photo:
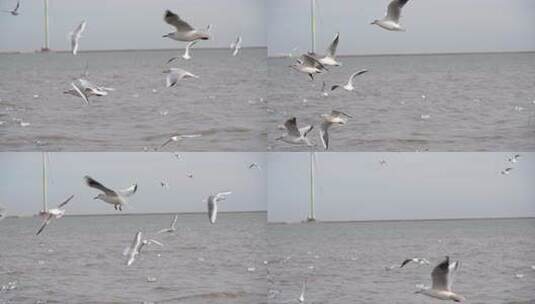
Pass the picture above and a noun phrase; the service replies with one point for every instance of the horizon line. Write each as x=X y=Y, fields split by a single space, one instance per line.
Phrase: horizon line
x=38 y=51
x=137 y=214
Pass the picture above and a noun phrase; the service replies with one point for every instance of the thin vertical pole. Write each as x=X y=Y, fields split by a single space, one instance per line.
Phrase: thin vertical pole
x=313 y=24
x=46 y=26
x=45 y=183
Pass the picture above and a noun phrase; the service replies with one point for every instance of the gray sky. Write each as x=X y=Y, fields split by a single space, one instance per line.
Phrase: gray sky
x=433 y=26
x=354 y=186
x=20 y=181
x=129 y=24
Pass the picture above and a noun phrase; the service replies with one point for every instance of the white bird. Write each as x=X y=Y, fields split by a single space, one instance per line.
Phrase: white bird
x=171 y=228
x=442 y=276
x=324 y=91
x=236 y=46
x=330 y=58
x=349 y=85
x=84 y=88
x=334 y=118
x=255 y=165
x=115 y=198
x=514 y=158
x=15 y=11
x=177 y=138
x=164 y=185
x=506 y=171
x=184 y=31
x=301 y=298
x=294 y=135
x=308 y=65
x=136 y=246
x=212 y=204
x=190 y=175
x=393 y=13
x=186 y=55
x=53 y=213
x=174 y=75
x=75 y=36
x=421 y=261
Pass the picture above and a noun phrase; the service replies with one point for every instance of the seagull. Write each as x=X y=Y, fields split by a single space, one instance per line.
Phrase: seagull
x=334 y=118
x=324 y=91
x=421 y=261
x=255 y=165
x=75 y=36
x=236 y=46
x=136 y=246
x=514 y=158
x=349 y=85
x=172 y=227
x=442 y=276
x=164 y=185
x=54 y=213
x=296 y=136
x=506 y=171
x=186 y=55
x=301 y=298
x=174 y=75
x=15 y=11
x=330 y=58
x=177 y=138
x=84 y=88
x=309 y=65
x=184 y=31
x=382 y=162
x=393 y=13
x=115 y=198
x=212 y=204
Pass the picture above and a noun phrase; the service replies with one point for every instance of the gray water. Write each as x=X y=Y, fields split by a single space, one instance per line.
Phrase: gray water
x=79 y=260
x=349 y=260
x=479 y=102
x=223 y=105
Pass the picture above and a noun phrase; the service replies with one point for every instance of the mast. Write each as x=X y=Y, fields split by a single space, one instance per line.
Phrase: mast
x=46 y=47
x=312 y=216
x=45 y=183
x=313 y=24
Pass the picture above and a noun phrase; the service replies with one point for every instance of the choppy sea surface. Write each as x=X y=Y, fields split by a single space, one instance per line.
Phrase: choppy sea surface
x=465 y=102
x=79 y=260
x=345 y=262
x=225 y=105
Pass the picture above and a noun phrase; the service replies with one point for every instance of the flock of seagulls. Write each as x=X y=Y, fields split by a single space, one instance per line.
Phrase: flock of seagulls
x=513 y=160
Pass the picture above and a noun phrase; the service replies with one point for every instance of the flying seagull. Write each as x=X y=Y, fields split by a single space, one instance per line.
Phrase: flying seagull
x=442 y=276
x=506 y=171
x=172 y=227
x=255 y=165
x=84 y=88
x=236 y=46
x=324 y=91
x=295 y=135
x=421 y=261
x=136 y=246
x=333 y=118
x=174 y=75
x=53 y=213
x=212 y=204
x=301 y=298
x=177 y=138
x=186 y=55
x=15 y=11
x=349 y=85
x=514 y=158
x=393 y=13
x=308 y=65
x=330 y=58
x=75 y=36
x=115 y=198
x=184 y=31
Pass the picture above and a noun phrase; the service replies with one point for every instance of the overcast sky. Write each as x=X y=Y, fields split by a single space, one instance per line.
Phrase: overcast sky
x=433 y=26
x=129 y=24
x=354 y=186
x=21 y=190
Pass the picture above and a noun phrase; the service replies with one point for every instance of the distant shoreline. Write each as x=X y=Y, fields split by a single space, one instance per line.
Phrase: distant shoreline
x=139 y=214
x=406 y=220
x=124 y=50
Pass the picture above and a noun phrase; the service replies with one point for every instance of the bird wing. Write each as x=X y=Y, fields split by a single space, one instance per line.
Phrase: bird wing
x=66 y=201
x=212 y=209
x=129 y=191
x=309 y=60
x=165 y=143
x=173 y=223
x=356 y=74
x=45 y=223
x=171 y=79
x=305 y=130
x=17 y=6
x=331 y=50
x=324 y=135
x=155 y=242
x=339 y=114
x=393 y=11
x=174 y=20
x=94 y=184
x=440 y=275
x=222 y=195
x=405 y=262
x=79 y=29
x=291 y=126
x=80 y=93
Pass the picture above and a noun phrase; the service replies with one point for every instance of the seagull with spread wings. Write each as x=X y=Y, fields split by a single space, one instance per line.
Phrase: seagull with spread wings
x=112 y=197
x=53 y=213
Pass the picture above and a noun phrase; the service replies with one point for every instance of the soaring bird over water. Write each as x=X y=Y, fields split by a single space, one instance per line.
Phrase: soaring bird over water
x=212 y=204
x=15 y=11
x=184 y=31
x=349 y=85
x=75 y=36
x=296 y=135
x=393 y=13
x=308 y=65
x=329 y=58
x=115 y=198
x=333 y=118
x=53 y=213
x=442 y=276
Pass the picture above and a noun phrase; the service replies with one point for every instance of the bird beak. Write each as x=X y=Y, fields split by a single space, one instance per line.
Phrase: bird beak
x=96 y=197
